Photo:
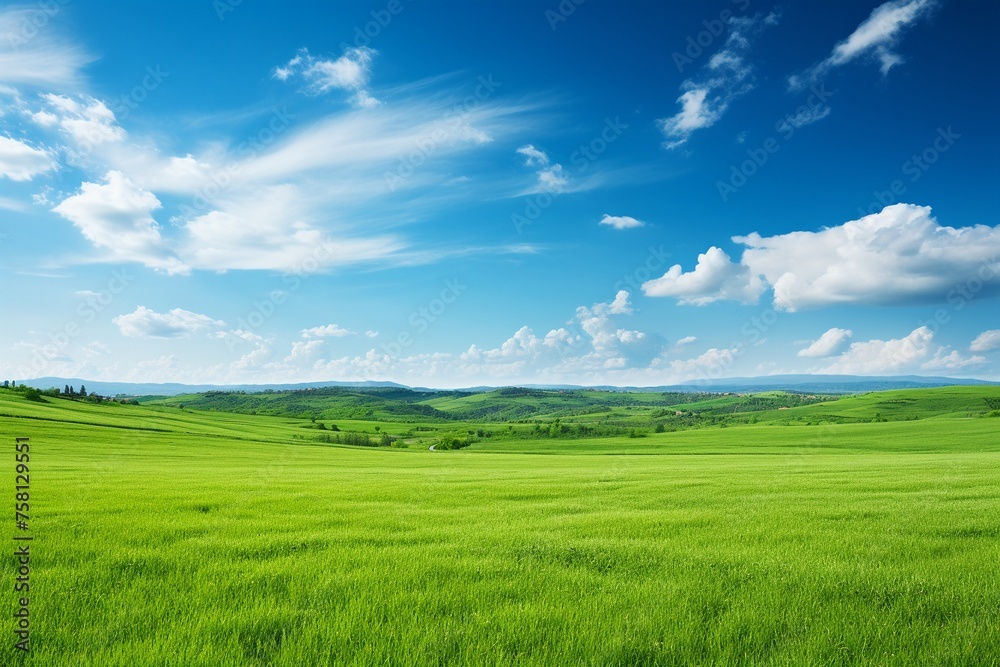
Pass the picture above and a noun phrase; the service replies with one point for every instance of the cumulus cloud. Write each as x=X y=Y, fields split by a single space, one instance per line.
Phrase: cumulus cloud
x=687 y=340
x=21 y=162
x=621 y=222
x=828 y=344
x=593 y=342
x=727 y=75
x=986 y=341
x=884 y=356
x=714 y=277
x=551 y=177
x=304 y=352
x=326 y=331
x=351 y=72
x=711 y=363
x=897 y=256
x=176 y=323
x=117 y=215
x=876 y=36
x=950 y=361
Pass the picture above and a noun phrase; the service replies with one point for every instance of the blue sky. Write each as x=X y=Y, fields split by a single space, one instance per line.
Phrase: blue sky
x=447 y=195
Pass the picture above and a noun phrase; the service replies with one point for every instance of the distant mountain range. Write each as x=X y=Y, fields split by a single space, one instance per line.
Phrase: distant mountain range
x=846 y=384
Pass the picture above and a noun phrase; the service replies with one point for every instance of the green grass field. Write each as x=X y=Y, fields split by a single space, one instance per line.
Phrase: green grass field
x=170 y=537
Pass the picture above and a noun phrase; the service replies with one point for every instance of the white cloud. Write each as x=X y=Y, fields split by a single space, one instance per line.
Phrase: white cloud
x=533 y=157
x=86 y=120
x=326 y=331
x=621 y=305
x=177 y=323
x=950 y=361
x=621 y=221
x=828 y=344
x=696 y=112
x=715 y=277
x=304 y=352
x=687 y=340
x=593 y=343
x=986 y=341
x=371 y=334
x=269 y=229
x=33 y=52
x=877 y=36
x=318 y=195
x=806 y=116
x=714 y=362
x=351 y=72
x=551 y=177
x=117 y=215
x=21 y=162
x=899 y=255
x=884 y=356
x=726 y=76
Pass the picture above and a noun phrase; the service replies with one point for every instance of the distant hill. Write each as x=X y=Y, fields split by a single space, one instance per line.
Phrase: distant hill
x=175 y=388
x=837 y=384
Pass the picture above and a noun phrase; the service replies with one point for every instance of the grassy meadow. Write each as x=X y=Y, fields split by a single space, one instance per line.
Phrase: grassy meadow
x=862 y=531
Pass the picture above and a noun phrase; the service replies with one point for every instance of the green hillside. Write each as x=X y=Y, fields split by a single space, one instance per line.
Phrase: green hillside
x=168 y=536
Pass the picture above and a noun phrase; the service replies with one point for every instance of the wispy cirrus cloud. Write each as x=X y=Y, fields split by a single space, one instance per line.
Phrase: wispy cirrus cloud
x=727 y=75
x=877 y=37
x=38 y=55
x=315 y=195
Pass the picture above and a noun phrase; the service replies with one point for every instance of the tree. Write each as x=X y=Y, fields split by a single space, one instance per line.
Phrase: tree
x=83 y=390
x=68 y=390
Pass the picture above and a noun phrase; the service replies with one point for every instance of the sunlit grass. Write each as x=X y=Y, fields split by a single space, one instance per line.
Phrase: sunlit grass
x=223 y=540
